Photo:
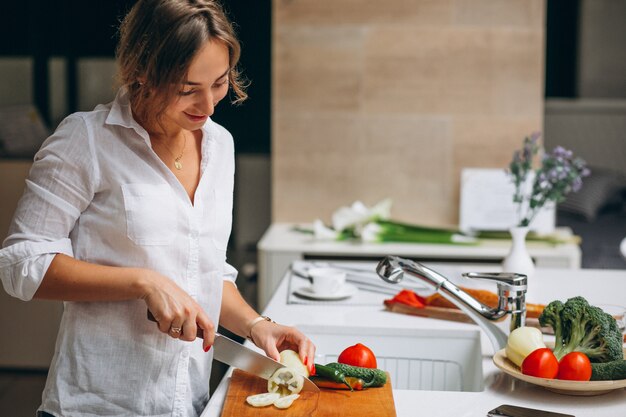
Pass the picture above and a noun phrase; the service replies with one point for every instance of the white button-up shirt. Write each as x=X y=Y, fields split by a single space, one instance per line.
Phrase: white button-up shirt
x=98 y=192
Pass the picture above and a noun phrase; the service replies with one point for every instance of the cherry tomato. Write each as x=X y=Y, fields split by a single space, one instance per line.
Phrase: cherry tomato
x=574 y=366
x=541 y=363
x=358 y=355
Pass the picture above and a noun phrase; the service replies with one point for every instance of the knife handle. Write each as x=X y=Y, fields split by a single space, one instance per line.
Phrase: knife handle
x=199 y=333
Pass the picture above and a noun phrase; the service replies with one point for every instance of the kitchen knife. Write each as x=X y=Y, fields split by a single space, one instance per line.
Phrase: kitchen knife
x=239 y=356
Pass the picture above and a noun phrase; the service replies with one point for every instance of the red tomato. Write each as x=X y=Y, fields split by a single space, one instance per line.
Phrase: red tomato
x=574 y=366
x=358 y=355
x=541 y=363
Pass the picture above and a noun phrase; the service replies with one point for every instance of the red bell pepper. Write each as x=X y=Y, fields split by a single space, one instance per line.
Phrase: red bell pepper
x=410 y=298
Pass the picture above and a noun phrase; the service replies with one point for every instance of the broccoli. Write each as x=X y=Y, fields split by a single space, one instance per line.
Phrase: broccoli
x=584 y=328
x=551 y=316
x=608 y=371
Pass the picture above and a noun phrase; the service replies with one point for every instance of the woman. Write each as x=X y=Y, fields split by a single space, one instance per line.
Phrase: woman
x=127 y=209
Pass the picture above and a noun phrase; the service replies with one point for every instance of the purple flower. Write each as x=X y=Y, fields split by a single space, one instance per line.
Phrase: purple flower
x=535 y=135
x=560 y=152
x=559 y=174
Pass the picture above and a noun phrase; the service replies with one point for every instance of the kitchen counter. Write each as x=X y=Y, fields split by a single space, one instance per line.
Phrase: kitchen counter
x=598 y=286
x=281 y=245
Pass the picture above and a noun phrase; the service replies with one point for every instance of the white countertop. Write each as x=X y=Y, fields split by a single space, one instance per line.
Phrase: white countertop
x=598 y=286
x=282 y=238
x=281 y=245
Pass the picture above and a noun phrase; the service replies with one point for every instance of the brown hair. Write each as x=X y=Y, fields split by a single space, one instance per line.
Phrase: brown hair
x=158 y=41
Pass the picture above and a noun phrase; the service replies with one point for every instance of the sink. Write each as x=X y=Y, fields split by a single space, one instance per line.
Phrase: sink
x=416 y=359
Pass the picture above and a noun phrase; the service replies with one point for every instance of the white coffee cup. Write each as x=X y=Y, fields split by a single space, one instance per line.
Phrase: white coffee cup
x=327 y=281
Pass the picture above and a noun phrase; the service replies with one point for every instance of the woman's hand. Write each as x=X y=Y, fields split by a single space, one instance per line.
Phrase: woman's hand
x=176 y=313
x=274 y=338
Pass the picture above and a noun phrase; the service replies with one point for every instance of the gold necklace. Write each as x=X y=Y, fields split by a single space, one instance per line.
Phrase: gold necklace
x=177 y=164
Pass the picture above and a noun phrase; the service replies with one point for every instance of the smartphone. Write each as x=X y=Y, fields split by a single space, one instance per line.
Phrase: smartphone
x=515 y=411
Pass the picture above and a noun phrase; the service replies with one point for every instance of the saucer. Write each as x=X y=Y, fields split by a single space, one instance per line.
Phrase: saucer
x=346 y=291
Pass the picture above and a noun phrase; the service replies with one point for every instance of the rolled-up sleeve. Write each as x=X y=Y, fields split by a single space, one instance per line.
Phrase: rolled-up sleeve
x=23 y=265
x=59 y=187
x=230 y=273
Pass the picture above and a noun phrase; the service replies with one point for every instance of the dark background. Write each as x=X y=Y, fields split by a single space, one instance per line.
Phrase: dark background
x=73 y=29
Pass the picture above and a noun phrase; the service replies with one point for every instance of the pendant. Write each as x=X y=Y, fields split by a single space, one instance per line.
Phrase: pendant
x=178 y=165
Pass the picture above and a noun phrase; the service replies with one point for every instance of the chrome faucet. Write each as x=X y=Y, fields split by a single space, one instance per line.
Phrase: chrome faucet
x=511 y=295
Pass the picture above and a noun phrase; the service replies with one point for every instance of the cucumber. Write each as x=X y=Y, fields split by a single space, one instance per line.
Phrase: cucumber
x=371 y=377
x=608 y=371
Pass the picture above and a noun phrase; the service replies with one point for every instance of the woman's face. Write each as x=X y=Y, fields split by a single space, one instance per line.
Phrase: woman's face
x=206 y=85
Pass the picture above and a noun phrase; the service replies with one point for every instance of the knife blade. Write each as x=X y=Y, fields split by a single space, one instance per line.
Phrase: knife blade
x=239 y=356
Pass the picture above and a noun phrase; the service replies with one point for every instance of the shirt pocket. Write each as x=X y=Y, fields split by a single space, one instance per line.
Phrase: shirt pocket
x=223 y=203
x=150 y=213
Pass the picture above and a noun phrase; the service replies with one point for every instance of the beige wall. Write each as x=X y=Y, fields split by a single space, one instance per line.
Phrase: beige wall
x=393 y=99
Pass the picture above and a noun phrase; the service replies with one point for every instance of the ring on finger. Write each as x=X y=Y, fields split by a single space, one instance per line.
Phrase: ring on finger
x=175 y=330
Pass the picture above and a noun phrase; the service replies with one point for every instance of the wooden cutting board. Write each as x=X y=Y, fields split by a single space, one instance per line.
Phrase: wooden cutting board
x=443 y=313
x=326 y=403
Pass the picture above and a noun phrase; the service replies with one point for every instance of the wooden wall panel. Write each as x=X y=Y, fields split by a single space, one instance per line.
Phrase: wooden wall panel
x=393 y=99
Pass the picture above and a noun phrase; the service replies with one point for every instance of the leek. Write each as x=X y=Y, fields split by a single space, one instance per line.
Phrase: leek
x=390 y=231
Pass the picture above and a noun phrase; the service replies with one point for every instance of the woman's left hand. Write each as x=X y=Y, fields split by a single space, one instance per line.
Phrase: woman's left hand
x=274 y=338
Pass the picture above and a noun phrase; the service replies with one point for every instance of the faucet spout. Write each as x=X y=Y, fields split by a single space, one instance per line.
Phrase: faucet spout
x=511 y=294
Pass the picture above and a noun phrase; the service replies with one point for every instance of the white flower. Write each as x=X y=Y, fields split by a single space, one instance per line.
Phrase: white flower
x=457 y=238
x=382 y=210
x=321 y=232
x=370 y=232
x=358 y=215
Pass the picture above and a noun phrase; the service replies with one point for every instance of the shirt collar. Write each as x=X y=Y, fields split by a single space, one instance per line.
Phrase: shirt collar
x=122 y=115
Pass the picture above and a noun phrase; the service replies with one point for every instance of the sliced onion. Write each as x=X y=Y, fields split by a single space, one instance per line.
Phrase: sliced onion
x=291 y=359
x=285 y=402
x=262 y=400
x=285 y=381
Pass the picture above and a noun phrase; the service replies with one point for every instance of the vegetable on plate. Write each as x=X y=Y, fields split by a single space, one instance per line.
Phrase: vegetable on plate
x=575 y=366
x=608 y=371
x=581 y=327
x=588 y=344
x=522 y=341
x=541 y=363
x=358 y=355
